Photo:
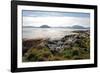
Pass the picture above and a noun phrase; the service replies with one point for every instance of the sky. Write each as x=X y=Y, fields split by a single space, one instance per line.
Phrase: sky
x=55 y=19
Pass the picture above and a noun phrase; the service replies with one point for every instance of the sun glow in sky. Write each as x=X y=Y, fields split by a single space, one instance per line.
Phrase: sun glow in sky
x=55 y=19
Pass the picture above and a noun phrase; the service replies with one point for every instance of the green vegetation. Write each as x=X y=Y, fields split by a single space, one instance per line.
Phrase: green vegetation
x=80 y=49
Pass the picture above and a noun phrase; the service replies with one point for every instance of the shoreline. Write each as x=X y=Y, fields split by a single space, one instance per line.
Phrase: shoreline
x=67 y=43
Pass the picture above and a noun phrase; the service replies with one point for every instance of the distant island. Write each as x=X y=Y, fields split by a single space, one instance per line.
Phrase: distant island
x=42 y=26
x=78 y=27
x=46 y=26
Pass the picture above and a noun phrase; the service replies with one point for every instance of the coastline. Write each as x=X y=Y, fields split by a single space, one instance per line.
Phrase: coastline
x=70 y=47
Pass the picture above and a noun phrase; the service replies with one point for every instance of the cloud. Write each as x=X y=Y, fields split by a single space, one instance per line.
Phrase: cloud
x=54 y=21
x=37 y=13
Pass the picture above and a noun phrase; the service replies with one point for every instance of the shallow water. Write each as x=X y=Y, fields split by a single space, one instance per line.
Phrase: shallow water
x=44 y=33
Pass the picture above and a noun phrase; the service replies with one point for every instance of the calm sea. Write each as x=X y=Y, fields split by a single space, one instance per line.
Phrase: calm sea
x=44 y=33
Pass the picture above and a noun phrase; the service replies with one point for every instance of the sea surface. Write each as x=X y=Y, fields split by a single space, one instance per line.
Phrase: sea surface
x=45 y=33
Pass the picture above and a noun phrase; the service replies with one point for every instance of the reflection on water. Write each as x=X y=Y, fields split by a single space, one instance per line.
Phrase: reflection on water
x=51 y=33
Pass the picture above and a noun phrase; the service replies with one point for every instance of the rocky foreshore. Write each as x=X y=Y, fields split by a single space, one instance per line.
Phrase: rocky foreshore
x=58 y=46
